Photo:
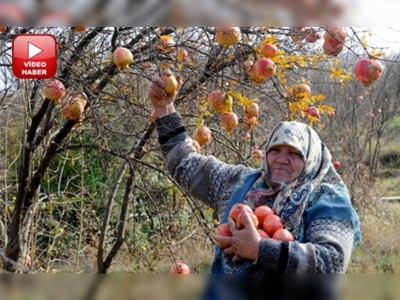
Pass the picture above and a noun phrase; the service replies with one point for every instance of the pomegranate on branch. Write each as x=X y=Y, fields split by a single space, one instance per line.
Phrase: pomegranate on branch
x=166 y=44
x=262 y=69
x=229 y=120
x=54 y=90
x=252 y=110
x=73 y=106
x=202 y=135
x=220 y=101
x=367 y=70
x=269 y=50
x=228 y=36
x=300 y=91
x=123 y=57
x=312 y=111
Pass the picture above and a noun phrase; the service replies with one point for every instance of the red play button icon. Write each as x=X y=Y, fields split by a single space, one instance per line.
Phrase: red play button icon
x=34 y=56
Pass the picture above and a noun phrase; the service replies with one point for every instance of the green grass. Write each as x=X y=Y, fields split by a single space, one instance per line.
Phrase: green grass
x=379 y=250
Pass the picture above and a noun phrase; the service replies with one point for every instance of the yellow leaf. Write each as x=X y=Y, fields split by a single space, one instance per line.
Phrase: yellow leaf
x=199 y=121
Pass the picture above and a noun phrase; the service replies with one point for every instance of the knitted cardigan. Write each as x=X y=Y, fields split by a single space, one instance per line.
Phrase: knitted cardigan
x=327 y=245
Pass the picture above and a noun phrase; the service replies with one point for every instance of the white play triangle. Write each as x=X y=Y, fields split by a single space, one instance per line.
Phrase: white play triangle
x=33 y=50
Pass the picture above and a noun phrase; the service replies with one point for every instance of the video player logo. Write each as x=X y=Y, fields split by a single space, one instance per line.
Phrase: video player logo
x=34 y=56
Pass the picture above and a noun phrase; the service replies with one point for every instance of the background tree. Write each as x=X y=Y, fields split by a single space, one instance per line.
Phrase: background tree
x=98 y=179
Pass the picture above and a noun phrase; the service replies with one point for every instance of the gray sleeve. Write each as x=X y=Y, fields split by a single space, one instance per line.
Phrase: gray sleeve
x=204 y=177
x=327 y=250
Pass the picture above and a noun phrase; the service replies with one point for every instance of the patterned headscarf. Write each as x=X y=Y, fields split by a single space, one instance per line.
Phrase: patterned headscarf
x=289 y=200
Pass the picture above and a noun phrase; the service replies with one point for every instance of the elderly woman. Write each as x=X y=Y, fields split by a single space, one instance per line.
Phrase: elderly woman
x=297 y=180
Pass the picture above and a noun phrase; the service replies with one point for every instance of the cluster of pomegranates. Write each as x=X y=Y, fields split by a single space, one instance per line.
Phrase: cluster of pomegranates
x=268 y=224
x=72 y=106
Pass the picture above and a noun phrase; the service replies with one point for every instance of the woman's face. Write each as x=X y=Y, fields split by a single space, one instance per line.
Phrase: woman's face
x=285 y=163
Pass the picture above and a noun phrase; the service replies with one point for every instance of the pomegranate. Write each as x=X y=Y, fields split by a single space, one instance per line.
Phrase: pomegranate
x=332 y=49
x=166 y=44
x=181 y=54
x=262 y=69
x=196 y=146
x=283 y=234
x=269 y=50
x=228 y=36
x=367 y=70
x=179 y=267
x=335 y=35
x=330 y=114
x=229 y=120
x=272 y=223
x=236 y=208
x=262 y=212
x=336 y=164
x=257 y=155
x=54 y=90
x=296 y=33
x=263 y=234
x=28 y=261
x=73 y=106
x=252 y=110
x=312 y=35
x=220 y=101
x=224 y=230
x=123 y=58
x=153 y=116
x=249 y=123
x=240 y=223
x=247 y=65
x=301 y=91
x=202 y=135
x=312 y=111
x=171 y=84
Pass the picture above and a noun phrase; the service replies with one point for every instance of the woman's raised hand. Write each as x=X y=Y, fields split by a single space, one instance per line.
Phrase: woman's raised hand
x=157 y=93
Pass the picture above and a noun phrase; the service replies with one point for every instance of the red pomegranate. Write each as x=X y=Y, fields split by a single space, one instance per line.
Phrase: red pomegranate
x=367 y=70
